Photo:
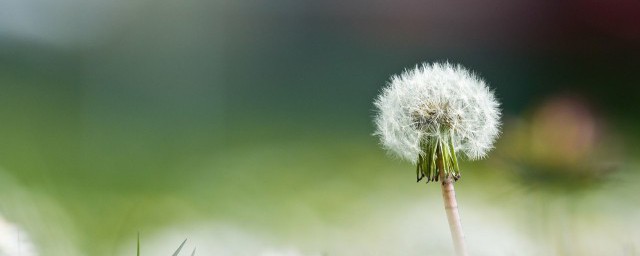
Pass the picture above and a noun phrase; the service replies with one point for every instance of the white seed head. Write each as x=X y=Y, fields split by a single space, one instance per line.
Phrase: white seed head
x=433 y=101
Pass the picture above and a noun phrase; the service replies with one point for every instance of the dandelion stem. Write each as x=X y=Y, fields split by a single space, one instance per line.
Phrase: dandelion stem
x=451 y=207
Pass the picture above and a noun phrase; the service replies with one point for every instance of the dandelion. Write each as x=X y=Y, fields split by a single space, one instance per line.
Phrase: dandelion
x=432 y=114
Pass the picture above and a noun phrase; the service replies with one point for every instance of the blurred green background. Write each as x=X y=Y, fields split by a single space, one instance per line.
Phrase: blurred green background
x=245 y=126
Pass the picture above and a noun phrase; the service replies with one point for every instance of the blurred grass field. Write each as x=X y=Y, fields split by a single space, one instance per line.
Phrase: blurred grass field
x=316 y=189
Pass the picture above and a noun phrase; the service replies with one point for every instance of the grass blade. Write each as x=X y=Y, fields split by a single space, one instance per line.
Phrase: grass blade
x=179 y=248
x=138 y=248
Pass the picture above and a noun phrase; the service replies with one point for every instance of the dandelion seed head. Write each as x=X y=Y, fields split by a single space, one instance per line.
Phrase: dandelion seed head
x=436 y=100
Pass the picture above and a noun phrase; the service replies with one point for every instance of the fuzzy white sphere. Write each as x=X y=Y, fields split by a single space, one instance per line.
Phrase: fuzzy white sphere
x=433 y=101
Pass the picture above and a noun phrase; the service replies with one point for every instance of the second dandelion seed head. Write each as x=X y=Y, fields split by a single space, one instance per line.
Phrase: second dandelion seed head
x=435 y=110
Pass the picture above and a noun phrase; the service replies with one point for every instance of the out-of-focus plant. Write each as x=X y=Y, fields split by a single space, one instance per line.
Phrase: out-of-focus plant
x=14 y=241
x=560 y=146
x=558 y=153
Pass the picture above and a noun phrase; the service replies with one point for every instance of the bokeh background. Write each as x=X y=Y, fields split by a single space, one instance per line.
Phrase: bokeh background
x=245 y=127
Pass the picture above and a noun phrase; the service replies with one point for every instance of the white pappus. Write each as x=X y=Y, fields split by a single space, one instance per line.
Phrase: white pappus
x=437 y=108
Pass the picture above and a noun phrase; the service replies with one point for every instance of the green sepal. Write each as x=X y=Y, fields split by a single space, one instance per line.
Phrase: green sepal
x=432 y=148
